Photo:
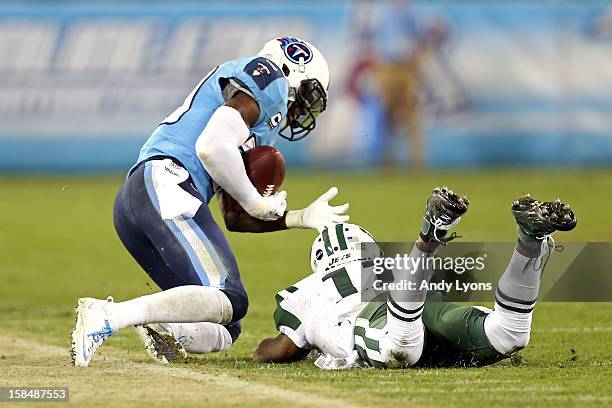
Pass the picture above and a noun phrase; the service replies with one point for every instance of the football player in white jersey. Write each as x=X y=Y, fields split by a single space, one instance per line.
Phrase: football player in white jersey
x=325 y=311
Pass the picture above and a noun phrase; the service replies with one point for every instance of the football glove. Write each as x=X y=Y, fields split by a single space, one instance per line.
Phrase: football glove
x=269 y=208
x=319 y=213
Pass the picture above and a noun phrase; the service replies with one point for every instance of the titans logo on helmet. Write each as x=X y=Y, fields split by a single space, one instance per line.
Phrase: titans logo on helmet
x=296 y=50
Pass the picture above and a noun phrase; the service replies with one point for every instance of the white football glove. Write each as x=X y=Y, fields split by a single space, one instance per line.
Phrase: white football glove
x=269 y=208
x=319 y=213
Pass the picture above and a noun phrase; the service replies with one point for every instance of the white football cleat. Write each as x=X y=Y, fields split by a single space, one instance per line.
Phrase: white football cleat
x=160 y=343
x=92 y=328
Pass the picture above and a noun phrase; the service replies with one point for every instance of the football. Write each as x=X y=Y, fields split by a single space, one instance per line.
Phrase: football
x=265 y=167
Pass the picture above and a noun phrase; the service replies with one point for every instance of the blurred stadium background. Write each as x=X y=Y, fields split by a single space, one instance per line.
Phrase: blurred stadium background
x=525 y=86
x=83 y=83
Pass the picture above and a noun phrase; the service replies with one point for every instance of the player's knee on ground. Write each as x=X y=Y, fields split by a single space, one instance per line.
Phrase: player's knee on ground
x=397 y=356
x=218 y=338
x=403 y=344
x=205 y=337
x=508 y=331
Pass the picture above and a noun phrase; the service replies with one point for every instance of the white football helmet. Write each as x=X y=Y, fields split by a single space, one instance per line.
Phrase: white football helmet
x=339 y=244
x=308 y=74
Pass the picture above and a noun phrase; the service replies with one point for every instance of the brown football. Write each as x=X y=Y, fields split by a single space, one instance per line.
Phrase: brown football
x=265 y=167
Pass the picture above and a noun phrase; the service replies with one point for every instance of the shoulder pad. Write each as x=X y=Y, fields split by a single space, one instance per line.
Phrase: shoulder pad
x=263 y=72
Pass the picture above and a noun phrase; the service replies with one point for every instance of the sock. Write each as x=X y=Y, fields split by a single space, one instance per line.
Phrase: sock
x=202 y=337
x=183 y=304
x=518 y=288
x=509 y=325
x=416 y=273
x=405 y=333
x=508 y=331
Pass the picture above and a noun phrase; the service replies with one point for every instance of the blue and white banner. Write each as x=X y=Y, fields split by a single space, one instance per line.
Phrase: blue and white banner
x=83 y=84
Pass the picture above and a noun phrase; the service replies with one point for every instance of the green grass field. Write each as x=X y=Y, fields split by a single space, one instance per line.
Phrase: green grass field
x=57 y=243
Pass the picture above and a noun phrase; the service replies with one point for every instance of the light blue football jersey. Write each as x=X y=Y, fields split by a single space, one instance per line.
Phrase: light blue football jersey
x=177 y=135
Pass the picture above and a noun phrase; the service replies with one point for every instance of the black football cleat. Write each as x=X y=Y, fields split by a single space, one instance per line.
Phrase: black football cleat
x=444 y=210
x=537 y=220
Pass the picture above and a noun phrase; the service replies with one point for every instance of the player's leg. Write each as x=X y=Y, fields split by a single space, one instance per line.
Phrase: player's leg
x=466 y=336
x=403 y=344
x=200 y=279
x=213 y=251
x=405 y=335
x=204 y=337
x=158 y=338
x=455 y=335
x=221 y=270
x=508 y=327
x=197 y=270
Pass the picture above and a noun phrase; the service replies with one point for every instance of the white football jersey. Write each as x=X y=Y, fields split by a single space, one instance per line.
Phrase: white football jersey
x=320 y=310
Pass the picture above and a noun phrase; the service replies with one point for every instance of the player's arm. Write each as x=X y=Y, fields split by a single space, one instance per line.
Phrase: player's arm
x=217 y=148
x=240 y=221
x=318 y=214
x=279 y=349
x=246 y=106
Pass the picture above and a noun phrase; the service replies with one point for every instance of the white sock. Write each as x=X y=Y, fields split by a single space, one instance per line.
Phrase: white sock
x=509 y=325
x=405 y=332
x=183 y=304
x=202 y=337
x=418 y=271
x=508 y=331
x=405 y=338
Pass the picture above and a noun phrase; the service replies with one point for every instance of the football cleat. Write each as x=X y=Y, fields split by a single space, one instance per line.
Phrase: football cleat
x=160 y=343
x=444 y=210
x=537 y=220
x=91 y=329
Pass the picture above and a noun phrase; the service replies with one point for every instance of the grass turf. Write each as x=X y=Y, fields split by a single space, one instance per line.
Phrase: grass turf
x=57 y=243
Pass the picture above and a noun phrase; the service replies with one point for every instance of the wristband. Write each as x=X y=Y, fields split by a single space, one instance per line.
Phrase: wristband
x=295 y=219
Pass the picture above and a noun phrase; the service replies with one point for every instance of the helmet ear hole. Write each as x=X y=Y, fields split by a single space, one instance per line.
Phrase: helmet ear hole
x=286 y=70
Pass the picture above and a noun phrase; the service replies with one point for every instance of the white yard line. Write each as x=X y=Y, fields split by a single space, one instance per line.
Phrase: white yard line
x=223 y=381
x=573 y=330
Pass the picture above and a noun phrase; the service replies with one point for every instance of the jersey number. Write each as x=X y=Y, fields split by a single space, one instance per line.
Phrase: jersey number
x=342 y=281
x=181 y=110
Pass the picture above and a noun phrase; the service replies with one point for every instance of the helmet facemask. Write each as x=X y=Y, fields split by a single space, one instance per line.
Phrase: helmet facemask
x=305 y=104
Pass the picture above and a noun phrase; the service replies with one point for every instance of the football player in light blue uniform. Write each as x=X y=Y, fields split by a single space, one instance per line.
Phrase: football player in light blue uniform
x=161 y=213
x=176 y=136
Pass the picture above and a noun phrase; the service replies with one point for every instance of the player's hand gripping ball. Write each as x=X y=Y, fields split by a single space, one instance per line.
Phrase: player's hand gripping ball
x=265 y=167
